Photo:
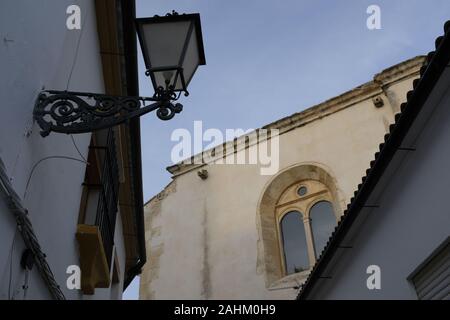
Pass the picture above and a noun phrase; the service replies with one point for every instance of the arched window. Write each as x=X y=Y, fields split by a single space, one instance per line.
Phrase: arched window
x=296 y=188
x=294 y=243
x=323 y=222
x=306 y=219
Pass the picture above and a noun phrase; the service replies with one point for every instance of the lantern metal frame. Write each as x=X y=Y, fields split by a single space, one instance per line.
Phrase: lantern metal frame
x=195 y=23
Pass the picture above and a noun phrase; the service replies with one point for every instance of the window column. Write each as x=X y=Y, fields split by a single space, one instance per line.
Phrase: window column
x=309 y=240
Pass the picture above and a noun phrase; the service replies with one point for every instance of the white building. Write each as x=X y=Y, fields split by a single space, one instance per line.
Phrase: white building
x=61 y=179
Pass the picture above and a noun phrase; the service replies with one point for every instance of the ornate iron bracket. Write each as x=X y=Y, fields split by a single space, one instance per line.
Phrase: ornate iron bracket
x=80 y=112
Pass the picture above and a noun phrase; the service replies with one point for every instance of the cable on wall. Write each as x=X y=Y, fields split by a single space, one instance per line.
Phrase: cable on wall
x=11 y=258
x=75 y=57
x=42 y=160
x=74 y=62
x=26 y=284
x=78 y=150
x=26 y=230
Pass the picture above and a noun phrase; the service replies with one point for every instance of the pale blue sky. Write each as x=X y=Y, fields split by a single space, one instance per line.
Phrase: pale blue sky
x=267 y=59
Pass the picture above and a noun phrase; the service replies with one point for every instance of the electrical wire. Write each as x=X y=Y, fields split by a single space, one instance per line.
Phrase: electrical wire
x=78 y=150
x=26 y=283
x=25 y=227
x=75 y=58
x=11 y=257
x=40 y=161
x=74 y=62
x=28 y=128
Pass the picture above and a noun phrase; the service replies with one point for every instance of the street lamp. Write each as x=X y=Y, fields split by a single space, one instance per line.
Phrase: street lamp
x=172 y=47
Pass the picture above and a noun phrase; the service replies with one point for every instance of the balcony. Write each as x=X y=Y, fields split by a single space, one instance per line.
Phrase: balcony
x=98 y=212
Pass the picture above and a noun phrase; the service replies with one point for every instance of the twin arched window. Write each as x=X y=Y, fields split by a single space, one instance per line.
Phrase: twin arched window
x=306 y=219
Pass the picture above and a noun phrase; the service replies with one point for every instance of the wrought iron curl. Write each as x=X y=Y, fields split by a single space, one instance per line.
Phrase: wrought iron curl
x=168 y=111
x=79 y=112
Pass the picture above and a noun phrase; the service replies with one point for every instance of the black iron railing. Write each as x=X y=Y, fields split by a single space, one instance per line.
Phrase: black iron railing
x=108 y=197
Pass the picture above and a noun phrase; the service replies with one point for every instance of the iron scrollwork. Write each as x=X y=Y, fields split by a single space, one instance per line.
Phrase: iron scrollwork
x=80 y=112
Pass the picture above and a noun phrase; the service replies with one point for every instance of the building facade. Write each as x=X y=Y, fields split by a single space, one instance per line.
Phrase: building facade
x=222 y=231
x=68 y=203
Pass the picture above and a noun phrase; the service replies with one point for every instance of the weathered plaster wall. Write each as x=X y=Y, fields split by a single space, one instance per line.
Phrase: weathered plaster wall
x=204 y=236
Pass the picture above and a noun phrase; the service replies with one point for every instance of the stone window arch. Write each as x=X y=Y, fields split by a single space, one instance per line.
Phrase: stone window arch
x=314 y=220
x=310 y=192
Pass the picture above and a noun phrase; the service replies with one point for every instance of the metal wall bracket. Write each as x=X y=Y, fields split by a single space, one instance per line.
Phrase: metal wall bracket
x=81 y=112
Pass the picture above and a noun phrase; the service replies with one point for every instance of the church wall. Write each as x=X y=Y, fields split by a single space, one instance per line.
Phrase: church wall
x=203 y=237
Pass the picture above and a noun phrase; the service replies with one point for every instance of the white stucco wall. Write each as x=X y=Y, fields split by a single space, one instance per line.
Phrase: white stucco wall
x=413 y=219
x=202 y=235
x=37 y=51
